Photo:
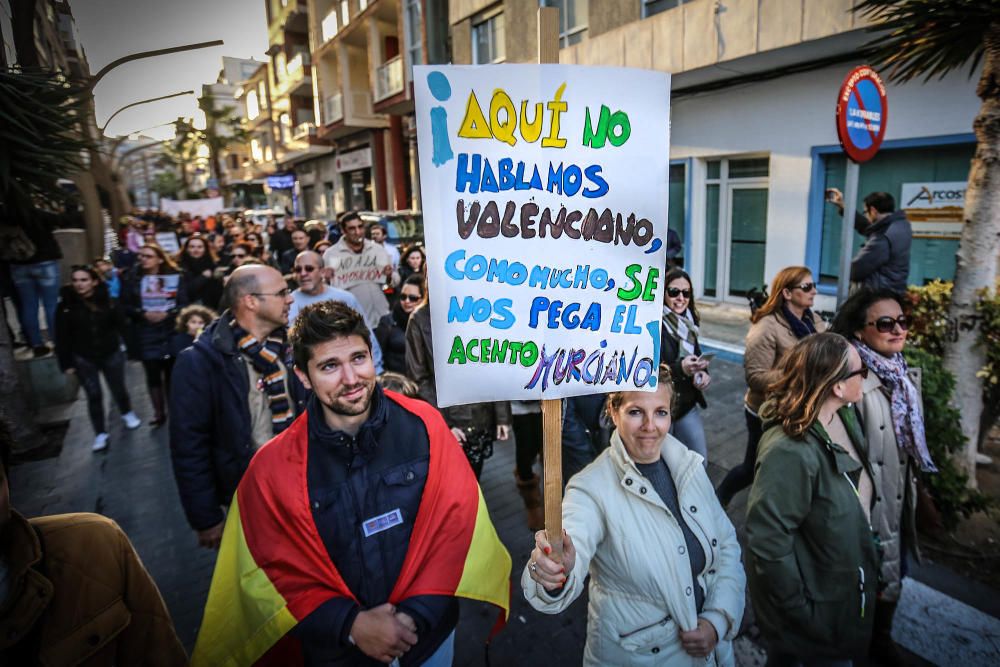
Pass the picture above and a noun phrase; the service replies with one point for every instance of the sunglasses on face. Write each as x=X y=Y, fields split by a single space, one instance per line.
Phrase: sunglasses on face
x=304 y=269
x=674 y=292
x=806 y=287
x=863 y=372
x=886 y=324
x=240 y=255
x=409 y=297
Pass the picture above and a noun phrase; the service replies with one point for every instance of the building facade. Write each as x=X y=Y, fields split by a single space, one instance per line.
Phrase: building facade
x=363 y=53
x=753 y=139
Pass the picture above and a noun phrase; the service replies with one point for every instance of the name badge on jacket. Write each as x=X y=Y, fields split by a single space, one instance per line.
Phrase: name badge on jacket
x=377 y=524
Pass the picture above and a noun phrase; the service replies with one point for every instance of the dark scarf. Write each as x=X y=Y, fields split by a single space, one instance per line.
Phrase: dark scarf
x=265 y=355
x=400 y=316
x=197 y=265
x=801 y=328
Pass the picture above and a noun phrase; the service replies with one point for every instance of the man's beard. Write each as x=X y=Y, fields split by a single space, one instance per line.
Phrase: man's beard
x=350 y=408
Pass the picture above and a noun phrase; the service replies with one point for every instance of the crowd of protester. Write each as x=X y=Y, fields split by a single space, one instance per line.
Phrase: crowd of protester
x=242 y=329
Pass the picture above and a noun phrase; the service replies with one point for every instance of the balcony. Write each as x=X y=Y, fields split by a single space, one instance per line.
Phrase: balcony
x=330 y=25
x=304 y=131
x=333 y=108
x=389 y=79
x=294 y=76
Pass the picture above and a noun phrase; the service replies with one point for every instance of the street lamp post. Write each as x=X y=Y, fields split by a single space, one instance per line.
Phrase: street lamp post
x=147 y=101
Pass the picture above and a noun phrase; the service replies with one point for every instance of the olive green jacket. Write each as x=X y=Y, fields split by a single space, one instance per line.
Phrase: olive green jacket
x=812 y=562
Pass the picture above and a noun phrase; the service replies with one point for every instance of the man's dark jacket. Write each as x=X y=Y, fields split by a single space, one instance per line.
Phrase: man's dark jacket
x=884 y=260
x=210 y=425
x=352 y=479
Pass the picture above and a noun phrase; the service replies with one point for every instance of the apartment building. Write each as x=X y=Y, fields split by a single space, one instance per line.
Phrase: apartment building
x=753 y=140
x=363 y=54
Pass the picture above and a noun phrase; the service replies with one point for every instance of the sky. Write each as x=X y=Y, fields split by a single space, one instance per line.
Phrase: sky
x=110 y=29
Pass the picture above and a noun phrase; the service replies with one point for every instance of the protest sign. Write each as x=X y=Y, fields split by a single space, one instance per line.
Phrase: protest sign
x=159 y=292
x=544 y=188
x=349 y=268
x=193 y=207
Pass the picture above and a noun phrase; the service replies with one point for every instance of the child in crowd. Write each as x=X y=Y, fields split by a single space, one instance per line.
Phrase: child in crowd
x=191 y=321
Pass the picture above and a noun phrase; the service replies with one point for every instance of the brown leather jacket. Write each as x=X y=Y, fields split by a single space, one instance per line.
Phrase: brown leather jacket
x=767 y=341
x=420 y=368
x=79 y=595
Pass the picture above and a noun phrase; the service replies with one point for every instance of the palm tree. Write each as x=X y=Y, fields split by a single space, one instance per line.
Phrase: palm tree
x=41 y=117
x=931 y=38
x=182 y=152
x=223 y=128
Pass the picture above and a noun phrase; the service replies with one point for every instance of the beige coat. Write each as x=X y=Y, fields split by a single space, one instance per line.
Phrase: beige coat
x=81 y=596
x=640 y=578
x=767 y=341
x=894 y=475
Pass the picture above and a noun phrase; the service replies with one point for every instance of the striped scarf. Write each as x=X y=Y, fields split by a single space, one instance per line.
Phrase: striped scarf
x=682 y=328
x=268 y=358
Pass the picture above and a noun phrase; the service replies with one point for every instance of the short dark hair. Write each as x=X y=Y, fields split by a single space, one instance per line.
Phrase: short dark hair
x=322 y=322
x=881 y=202
x=853 y=314
x=347 y=216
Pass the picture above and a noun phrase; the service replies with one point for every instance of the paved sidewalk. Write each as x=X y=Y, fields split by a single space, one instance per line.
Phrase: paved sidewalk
x=132 y=482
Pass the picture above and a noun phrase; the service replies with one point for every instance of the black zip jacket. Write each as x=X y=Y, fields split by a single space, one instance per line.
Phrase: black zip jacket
x=91 y=331
x=352 y=479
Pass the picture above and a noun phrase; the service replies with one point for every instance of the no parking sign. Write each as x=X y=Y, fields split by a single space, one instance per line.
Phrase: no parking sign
x=862 y=111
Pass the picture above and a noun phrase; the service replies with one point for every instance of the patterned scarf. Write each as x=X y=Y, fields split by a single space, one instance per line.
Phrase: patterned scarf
x=904 y=403
x=682 y=328
x=265 y=357
x=801 y=328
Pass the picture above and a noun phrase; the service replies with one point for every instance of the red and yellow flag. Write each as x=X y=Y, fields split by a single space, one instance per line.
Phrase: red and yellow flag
x=273 y=569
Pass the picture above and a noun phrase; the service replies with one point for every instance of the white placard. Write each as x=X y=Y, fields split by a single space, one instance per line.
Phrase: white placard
x=934 y=209
x=544 y=190
x=193 y=207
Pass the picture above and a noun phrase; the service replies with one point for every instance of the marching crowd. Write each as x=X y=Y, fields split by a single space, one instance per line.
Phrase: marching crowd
x=350 y=536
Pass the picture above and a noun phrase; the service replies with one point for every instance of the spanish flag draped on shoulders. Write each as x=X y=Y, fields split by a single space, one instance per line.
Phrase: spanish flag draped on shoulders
x=274 y=570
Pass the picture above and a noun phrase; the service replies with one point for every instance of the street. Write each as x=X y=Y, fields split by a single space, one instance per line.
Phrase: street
x=132 y=482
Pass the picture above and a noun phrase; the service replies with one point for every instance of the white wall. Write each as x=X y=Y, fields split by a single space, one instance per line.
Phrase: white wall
x=785 y=118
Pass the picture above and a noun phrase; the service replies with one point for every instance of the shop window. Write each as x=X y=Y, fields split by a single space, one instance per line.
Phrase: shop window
x=676 y=213
x=488 y=41
x=932 y=256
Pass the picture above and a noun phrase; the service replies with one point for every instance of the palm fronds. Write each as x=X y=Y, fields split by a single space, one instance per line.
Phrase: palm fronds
x=928 y=37
x=42 y=137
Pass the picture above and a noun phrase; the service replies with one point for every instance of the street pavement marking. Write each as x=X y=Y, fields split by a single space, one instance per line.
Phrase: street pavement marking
x=943 y=630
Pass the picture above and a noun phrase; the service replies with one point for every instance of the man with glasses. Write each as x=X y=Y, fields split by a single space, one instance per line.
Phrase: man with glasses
x=308 y=271
x=231 y=392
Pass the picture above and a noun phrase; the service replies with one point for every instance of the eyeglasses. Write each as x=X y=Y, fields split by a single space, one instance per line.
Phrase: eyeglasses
x=410 y=297
x=674 y=292
x=805 y=287
x=886 y=324
x=281 y=294
x=143 y=255
x=240 y=255
x=304 y=269
x=863 y=372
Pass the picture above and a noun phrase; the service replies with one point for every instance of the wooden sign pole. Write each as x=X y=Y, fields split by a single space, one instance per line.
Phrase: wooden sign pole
x=548 y=52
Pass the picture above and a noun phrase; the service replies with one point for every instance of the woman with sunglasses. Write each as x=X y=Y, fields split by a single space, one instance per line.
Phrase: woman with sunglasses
x=152 y=295
x=784 y=319
x=812 y=561
x=679 y=349
x=892 y=414
x=88 y=332
x=391 y=329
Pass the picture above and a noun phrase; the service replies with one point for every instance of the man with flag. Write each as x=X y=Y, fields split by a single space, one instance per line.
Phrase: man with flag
x=353 y=533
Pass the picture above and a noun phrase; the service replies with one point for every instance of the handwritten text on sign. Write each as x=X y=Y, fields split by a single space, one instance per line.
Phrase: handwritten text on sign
x=545 y=200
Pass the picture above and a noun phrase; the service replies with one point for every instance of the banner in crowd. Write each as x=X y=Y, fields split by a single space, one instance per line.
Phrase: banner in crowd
x=544 y=191
x=193 y=207
x=159 y=292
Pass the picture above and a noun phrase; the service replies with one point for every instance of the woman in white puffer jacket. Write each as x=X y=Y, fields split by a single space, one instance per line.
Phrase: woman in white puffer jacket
x=666 y=585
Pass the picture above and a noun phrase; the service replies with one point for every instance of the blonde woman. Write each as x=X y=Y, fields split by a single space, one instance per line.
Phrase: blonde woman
x=784 y=319
x=812 y=562
x=666 y=581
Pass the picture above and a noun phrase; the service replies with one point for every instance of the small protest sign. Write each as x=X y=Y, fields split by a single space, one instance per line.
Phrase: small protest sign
x=544 y=188
x=159 y=292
